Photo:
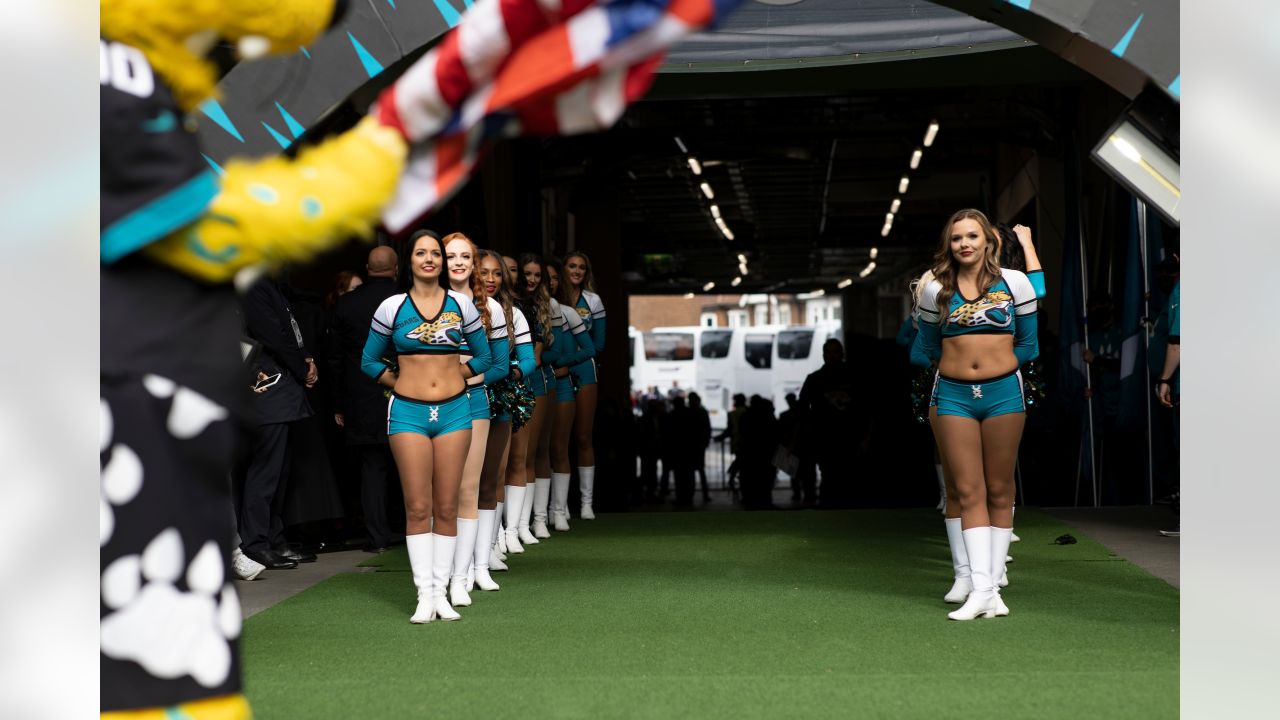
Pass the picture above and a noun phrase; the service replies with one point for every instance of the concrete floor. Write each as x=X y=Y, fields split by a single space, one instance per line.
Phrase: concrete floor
x=1130 y=532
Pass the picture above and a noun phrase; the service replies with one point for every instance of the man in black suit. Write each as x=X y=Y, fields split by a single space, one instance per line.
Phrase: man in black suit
x=284 y=367
x=360 y=404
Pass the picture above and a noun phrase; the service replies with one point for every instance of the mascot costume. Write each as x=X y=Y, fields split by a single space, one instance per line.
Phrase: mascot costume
x=173 y=235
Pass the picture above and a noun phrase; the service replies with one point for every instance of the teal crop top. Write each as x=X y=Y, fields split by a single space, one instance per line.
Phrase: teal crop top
x=1007 y=306
x=399 y=327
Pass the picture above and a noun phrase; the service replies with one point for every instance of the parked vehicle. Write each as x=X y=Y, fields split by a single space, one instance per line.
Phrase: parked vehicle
x=797 y=351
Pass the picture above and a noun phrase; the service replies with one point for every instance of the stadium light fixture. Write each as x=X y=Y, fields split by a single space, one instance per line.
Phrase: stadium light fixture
x=931 y=133
x=915 y=158
x=1143 y=165
x=706 y=190
x=902 y=185
x=708 y=287
x=695 y=166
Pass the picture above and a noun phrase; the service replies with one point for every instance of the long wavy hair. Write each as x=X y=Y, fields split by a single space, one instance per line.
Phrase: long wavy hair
x=539 y=297
x=477 y=287
x=505 y=296
x=588 y=277
x=947 y=271
x=561 y=294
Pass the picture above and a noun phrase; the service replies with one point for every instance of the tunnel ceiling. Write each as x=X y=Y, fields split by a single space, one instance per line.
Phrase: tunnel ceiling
x=768 y=141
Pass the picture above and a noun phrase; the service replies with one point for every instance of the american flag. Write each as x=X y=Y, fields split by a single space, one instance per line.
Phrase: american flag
x=525 y=67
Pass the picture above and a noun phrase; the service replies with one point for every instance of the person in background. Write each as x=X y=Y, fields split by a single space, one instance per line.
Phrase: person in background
x=788 y=421
x=1169 y=386
x=360 y=406
x=758 y=437
x=702 y=440
x=343 y=283
x=730 y=433
x=826 y=402
x=285 y=366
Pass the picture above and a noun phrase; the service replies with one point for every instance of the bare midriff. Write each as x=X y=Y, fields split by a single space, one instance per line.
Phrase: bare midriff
x=429 y=377
x=977 y=356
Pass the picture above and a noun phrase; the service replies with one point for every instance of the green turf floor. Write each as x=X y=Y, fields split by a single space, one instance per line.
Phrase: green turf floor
x=732 y=615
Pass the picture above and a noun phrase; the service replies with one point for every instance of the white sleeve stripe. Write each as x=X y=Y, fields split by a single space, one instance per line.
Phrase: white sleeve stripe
x=376 y=321
x=380 y=332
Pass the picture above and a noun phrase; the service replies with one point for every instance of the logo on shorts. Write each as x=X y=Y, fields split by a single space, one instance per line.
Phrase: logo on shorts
x=977 y=392
x=435 y=414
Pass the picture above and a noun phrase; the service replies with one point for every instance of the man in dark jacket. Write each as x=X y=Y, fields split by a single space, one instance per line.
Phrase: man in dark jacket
x=837 y=431
x=285 y=366
x=360 y=405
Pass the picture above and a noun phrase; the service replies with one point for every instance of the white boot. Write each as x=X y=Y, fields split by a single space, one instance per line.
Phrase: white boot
x=420 y=548
x=560 y=501
x=499 y=541
x=511 y=528
x=483 y=550
x=440 y=565
x=587 y=487
x=942 y=488
x=495 y=563
x=959 y=562
x=982 y=601
x=999 y=546
x=526 y=537
x=464 y=550
x=541 y=494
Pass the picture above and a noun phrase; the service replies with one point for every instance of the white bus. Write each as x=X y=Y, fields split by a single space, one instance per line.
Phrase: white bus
x=669 y=359
x=732 y=361
x=716 y=373
x=635 y=348
x=797 y=351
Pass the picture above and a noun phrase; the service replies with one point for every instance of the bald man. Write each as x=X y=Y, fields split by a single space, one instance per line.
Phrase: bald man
x=360 y=406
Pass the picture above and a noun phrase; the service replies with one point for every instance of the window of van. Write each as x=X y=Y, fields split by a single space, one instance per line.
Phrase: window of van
x=715 y=343
x=794 y=344
x=668 y=346
x=759 y=350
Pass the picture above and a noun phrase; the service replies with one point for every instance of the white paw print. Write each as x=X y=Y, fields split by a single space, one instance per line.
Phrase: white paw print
x=189 y=414
x=121 y=478
x=168 y=631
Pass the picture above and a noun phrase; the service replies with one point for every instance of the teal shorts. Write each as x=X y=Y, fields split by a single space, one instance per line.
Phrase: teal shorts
x=584 y=372
x=537 y=382
x=479 y=402
x=564 y=389
x=430 y=418
x=979 y=400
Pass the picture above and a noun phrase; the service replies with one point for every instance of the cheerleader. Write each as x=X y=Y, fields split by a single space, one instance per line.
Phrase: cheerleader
x=519 y=501
x=536 y=300
x=429 y=415
x=978 y=345
x=578 y=292
x=575 y=348
x=460 y=260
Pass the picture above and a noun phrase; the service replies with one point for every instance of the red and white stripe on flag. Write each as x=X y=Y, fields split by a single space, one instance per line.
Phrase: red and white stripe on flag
x=532 y=67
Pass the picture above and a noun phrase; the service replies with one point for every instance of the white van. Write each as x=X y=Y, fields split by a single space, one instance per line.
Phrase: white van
x=669 y=359
x=797 y=351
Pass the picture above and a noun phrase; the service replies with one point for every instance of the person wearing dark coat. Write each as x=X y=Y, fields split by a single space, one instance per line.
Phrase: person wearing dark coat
x=360 y=405
x=702 y=440
x=284 y=368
